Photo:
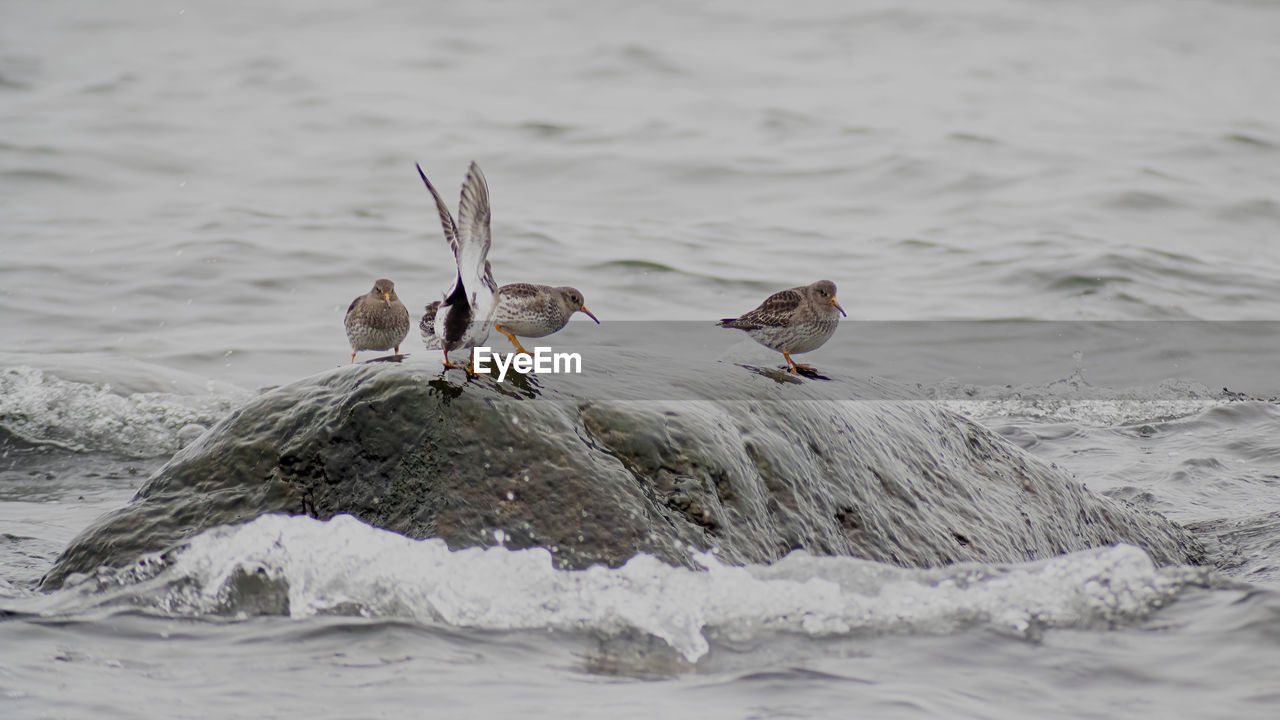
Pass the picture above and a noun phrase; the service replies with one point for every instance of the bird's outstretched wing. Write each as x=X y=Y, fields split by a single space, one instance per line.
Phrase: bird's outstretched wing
x=446 y=219
x=473 y=231
x=775 y=311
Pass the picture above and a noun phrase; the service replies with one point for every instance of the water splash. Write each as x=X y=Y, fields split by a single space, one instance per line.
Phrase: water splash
x=42 y=409
x=304 y=567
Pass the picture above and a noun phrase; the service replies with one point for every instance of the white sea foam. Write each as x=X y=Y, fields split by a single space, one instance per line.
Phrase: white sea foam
x=43 y=409
x=343 y=565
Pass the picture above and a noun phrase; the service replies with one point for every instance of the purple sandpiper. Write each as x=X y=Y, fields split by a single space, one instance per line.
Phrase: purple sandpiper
x=534 y=311
x=793 y=321
x=524 y=310
x=377 y=320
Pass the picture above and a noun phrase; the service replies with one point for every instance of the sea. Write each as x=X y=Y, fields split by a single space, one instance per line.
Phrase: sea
x=1061 y=219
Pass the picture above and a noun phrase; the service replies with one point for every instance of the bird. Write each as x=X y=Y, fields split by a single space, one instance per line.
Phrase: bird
x=535 y=311
x=524 y=310
x=462 y=319
x=377 y=320
x=793 y=321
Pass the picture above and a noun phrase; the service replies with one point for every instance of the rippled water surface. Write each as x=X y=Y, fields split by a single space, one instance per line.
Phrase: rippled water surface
x=192 y=194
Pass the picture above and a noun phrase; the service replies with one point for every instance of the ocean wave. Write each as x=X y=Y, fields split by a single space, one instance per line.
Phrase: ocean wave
x=42 y=409
x=304 y=568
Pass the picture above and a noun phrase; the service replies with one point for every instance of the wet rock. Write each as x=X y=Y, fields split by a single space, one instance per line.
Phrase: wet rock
x=622 y=459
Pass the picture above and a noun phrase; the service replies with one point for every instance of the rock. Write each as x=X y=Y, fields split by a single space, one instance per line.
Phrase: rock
x=622 y=459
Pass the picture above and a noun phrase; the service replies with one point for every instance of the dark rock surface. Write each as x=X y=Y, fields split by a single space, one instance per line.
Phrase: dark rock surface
x=623 y=459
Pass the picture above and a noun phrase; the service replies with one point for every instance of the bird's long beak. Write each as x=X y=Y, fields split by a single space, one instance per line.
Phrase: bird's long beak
x=386 y=298
x=588 y=312
x=837 y=306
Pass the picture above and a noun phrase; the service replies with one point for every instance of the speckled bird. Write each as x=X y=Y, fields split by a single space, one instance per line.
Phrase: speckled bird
x=534 y=311
x=526 y=310
x=462 y=319
x=793 y=321
x=377 y=320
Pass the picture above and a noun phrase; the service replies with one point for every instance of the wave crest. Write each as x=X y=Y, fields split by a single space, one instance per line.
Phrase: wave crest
x=304 y=567
x=42 y=409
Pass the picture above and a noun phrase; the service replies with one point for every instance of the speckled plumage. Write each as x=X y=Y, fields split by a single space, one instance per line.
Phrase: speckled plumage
x=377 y=320
x=534 y=311
x=793 y=321
x=523 y=310
x=462 y=319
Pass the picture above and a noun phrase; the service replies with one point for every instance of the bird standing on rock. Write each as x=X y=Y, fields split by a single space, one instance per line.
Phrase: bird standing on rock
x=377 y=320
x=535 y=311
x=525 y=310
x=793 y=321
x=461 y=320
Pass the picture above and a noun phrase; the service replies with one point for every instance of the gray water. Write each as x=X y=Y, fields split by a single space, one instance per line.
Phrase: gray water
x=192 y=194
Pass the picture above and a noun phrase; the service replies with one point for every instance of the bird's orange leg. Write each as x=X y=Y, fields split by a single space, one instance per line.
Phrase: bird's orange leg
x=468 y=368
x=795 y=366
x=514 y=340
x=353 y=357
